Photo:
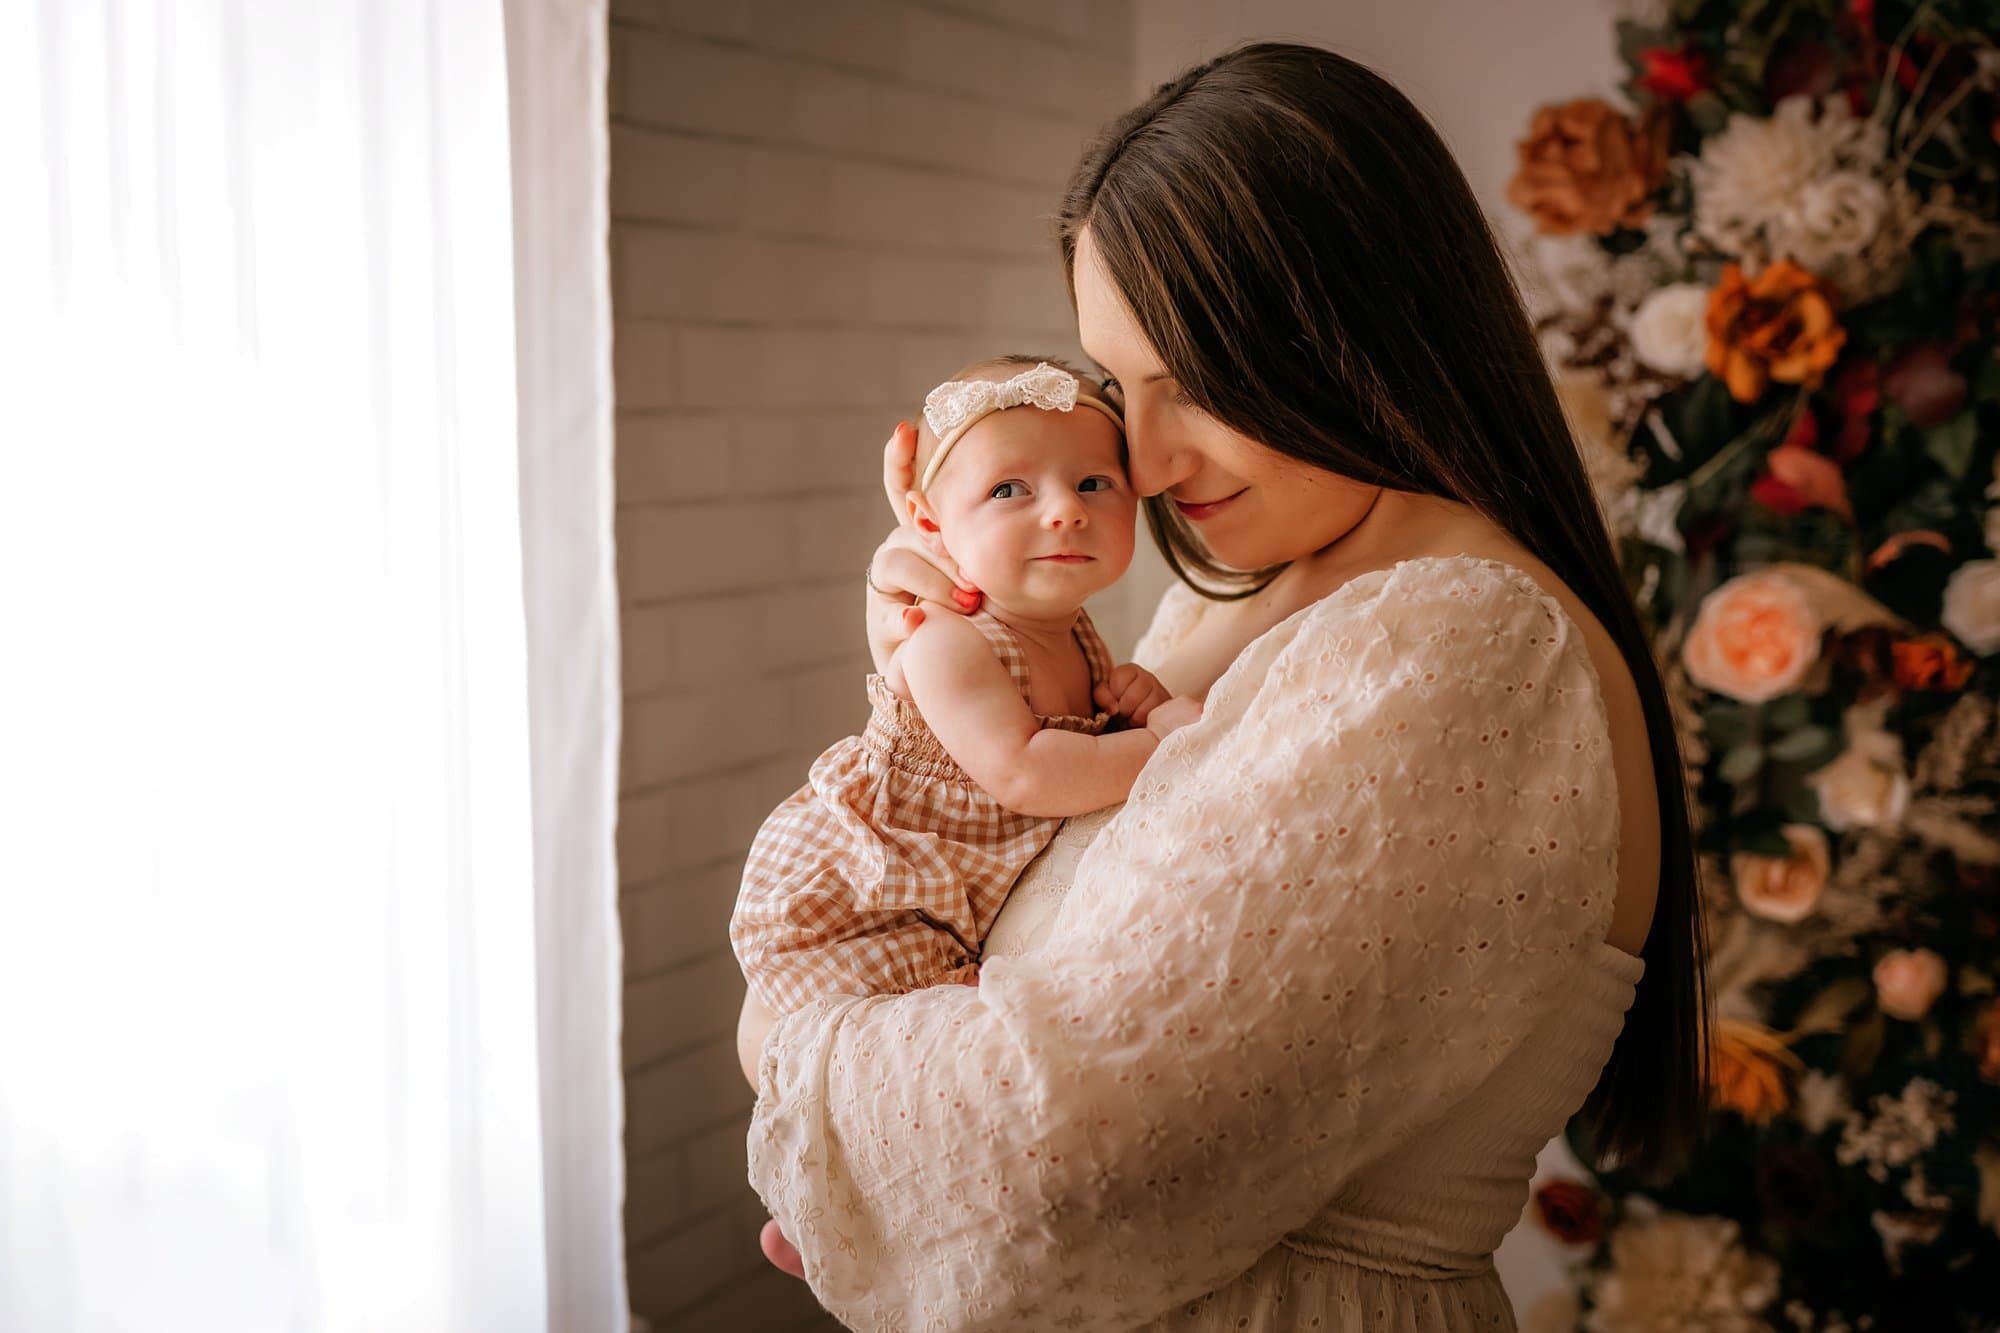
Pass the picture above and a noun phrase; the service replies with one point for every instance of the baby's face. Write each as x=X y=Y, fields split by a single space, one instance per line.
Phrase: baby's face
x=1035 y=507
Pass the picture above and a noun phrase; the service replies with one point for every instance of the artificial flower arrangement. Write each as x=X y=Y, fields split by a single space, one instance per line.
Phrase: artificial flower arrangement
x=1767 y=289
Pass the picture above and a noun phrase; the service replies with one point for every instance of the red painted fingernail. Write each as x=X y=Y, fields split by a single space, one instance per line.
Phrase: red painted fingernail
x=969 y=600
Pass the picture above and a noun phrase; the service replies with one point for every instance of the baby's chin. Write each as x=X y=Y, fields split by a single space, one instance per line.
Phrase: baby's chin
x=1051 y=595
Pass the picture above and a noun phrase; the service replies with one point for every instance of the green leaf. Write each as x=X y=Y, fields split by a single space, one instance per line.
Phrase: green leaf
x=1741 y=763
x=1986 y=380
x=1953 y=444
x=1765 y=841
x=1727 y=725
x=1708 y=112
x=1805 y=745
x=1864 y=1046
x=1787 y=713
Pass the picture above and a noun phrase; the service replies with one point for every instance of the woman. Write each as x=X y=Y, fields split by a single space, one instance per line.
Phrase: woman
x=1417 y=887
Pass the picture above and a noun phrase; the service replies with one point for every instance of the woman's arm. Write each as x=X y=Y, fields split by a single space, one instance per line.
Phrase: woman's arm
x=1321 y=921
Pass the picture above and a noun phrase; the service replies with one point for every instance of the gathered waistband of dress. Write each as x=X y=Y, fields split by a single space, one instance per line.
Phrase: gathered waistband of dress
x=1315 y=1249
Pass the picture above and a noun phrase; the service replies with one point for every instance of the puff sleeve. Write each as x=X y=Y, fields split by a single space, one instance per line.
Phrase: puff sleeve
x=1325 y=916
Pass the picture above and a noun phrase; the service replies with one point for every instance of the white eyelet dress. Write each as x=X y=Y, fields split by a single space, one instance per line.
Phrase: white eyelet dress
x=1282 y=1055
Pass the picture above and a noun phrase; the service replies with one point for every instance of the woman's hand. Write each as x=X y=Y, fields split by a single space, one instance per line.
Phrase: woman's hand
x=904 y=571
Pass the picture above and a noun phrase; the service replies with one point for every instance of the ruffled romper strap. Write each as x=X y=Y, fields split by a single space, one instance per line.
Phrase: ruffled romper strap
x=1094 y=651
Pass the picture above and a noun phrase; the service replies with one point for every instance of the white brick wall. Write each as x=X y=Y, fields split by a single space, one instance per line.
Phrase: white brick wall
x=819 y=208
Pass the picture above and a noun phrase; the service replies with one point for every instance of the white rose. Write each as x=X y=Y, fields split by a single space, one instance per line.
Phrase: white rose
x=1972 y=604
x=1837 y=216
x=1563 y=275
x=1670 y=330
x=1866 y=787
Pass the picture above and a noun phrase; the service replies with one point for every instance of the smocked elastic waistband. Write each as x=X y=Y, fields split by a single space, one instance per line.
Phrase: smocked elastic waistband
x=1317 y=1249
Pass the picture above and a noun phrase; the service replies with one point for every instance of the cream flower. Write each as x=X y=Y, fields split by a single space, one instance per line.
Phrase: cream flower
x=1562 y=276
x=1586 y=402
x=1866 y=786
x=1670 y=331
x=1972 y=605
x=1821 y=1101
x=1908 y=982
x=1835 y=218
x=1754 y=638
x=1681 y=1272
x=1988 y=1160
x=1752 y=178
x=1784 y=889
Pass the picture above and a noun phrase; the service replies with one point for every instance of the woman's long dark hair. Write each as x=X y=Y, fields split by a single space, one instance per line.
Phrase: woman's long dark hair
x=1308 y=261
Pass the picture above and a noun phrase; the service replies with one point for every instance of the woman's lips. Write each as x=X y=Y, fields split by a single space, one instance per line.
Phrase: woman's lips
x=1206 y=509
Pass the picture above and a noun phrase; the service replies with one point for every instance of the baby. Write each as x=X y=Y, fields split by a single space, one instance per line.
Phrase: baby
x=884 y=872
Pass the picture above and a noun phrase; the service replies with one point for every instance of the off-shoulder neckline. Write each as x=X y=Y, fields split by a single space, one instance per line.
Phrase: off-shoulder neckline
x=1628 y=967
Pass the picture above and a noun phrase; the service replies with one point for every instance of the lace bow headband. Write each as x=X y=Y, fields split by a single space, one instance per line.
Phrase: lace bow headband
x=956 y=405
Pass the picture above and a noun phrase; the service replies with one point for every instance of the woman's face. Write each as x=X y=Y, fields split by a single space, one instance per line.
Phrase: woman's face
x=1253 y=506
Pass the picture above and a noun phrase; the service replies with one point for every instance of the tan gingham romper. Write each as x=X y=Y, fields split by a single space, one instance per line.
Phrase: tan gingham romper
x=883 y=873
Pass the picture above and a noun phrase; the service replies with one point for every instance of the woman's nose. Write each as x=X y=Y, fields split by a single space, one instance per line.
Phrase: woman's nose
x=1153 y=461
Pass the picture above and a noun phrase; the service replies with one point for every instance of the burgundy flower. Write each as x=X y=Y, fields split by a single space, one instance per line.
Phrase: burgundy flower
x=1572 y=1211
x=1857 y=392
x=1792 y=1185
x=1805 y=67
x=1923 y=384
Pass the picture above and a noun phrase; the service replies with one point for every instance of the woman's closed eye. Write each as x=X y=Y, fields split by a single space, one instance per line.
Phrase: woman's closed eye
x=1009 y=490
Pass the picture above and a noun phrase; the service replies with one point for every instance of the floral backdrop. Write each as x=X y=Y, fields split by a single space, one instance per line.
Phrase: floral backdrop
x=1766 y=286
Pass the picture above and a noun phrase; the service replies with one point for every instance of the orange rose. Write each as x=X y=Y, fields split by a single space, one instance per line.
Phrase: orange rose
x=1784 y=889
x=1778 y=326
x=1585 y=167
x=1754 y=638
x=1986 y=1041
x=1929 y=662
x=1747 y=1065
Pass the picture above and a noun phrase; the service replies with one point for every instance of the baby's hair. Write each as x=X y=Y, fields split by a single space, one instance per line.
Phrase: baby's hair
x=998 y=368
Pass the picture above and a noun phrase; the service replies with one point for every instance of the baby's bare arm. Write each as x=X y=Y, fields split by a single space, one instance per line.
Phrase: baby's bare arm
x=970 y=702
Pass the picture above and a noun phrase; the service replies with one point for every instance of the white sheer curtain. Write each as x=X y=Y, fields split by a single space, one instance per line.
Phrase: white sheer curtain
x=271 y=1052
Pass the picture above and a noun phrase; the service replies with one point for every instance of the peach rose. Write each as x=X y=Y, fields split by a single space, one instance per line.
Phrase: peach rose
x=1908 y=982
x=1778 y=326
x=1747 y=1068
x=1784 y=888
x=1754 y=638
x=1585 y=167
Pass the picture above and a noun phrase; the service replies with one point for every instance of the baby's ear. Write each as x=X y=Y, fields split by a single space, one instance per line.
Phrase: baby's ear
x=923 y=519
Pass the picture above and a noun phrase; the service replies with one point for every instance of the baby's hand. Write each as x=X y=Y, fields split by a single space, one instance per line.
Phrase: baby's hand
x=1130 y=692
x=1172 y=715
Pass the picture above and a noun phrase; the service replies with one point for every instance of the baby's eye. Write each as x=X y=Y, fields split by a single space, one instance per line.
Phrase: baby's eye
x=1095 y=484
x=1009 y=490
